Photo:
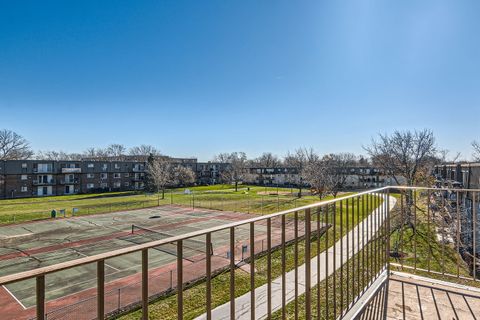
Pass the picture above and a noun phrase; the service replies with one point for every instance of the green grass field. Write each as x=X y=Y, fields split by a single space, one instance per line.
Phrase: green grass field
x=250 y=199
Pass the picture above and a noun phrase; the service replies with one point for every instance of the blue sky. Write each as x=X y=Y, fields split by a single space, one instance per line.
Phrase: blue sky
x=196 y=78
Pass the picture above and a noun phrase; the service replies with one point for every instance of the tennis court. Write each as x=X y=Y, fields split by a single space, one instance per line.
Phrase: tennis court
x=38 y=244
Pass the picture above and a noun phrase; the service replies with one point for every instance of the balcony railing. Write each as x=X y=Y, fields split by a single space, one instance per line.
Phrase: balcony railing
x=43 y=170
x=335 y=254
x=70 y=181
x=43 y=182
x=71 y=170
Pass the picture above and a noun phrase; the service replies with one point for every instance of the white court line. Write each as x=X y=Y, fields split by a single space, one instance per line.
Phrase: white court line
x=13 y=296
x=83 y=254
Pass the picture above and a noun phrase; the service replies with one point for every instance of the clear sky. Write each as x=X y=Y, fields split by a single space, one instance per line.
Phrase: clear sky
x=196 y=78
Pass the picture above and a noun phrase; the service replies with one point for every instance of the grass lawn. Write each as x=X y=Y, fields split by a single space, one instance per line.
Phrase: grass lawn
x=17 y=210
x=250 y=199
x=194 y=297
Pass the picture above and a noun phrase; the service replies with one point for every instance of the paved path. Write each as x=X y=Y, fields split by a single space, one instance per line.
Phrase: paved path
x=242 y=303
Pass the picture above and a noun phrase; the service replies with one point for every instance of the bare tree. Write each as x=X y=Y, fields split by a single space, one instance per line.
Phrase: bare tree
x=267 y=160
x=58 y=155
x=299 y=160
x=443 y=153
x=144 y=150
x=315 y=174
x=443 y=156
x=183 y=176
x=116 y=150
x=337 y=170
x=476 y=150
x=96 y=153
x=405 y=154
x=159 y=171
x=90 y=152
x=236 y=169
x=13 y=146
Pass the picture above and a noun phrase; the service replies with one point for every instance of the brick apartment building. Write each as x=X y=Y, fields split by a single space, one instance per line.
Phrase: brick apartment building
x=27 y=178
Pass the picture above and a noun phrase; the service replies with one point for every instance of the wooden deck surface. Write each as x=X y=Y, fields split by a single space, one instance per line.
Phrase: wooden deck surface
x=412 y=298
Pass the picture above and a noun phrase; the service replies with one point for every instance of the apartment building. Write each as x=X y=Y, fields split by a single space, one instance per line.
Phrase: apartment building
x=358 y=177
x=31 y=178
x=462 y=175
x=27 y=178
x=467 y=174
x=210 y=172
x=281 y=176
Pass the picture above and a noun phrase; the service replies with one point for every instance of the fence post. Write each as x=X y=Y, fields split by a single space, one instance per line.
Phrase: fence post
x=40 y=297
x=100 y=289
x=261 y=205
x=278 y=200
x=145 y=284
x=119 y=289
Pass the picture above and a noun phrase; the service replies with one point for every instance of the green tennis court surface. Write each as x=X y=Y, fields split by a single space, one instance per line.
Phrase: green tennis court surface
x=39 y=244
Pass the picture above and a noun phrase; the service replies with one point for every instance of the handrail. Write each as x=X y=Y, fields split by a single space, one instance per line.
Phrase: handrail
x=136 y=248
x=434 y=189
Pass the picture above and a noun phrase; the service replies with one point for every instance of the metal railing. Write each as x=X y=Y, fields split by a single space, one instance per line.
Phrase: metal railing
x=43 y=182
x=342 y=252
x=70 y=181
x=435 y=232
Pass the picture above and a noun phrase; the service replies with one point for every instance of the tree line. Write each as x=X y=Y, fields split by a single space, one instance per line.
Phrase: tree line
x=409 y=154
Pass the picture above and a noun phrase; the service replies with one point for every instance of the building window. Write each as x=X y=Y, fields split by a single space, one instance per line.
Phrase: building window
x=44 y=167
x=91 y=165
x=104 y=185
x=116 y=175
x=24 y=189
x=103 y=175
x=117 y=184
x=127 y=175
x=117 y=166
x=90 y=185
x=24 y=177
x=24 y=165
x=104 y=166
x=127 y=184
x=90 y=175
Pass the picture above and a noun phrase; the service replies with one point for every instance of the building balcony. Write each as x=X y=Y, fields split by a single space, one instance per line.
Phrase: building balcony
x=71 y=170
x=36 y=170
x=70 y=181
x=43 y=182
x=371 y=255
